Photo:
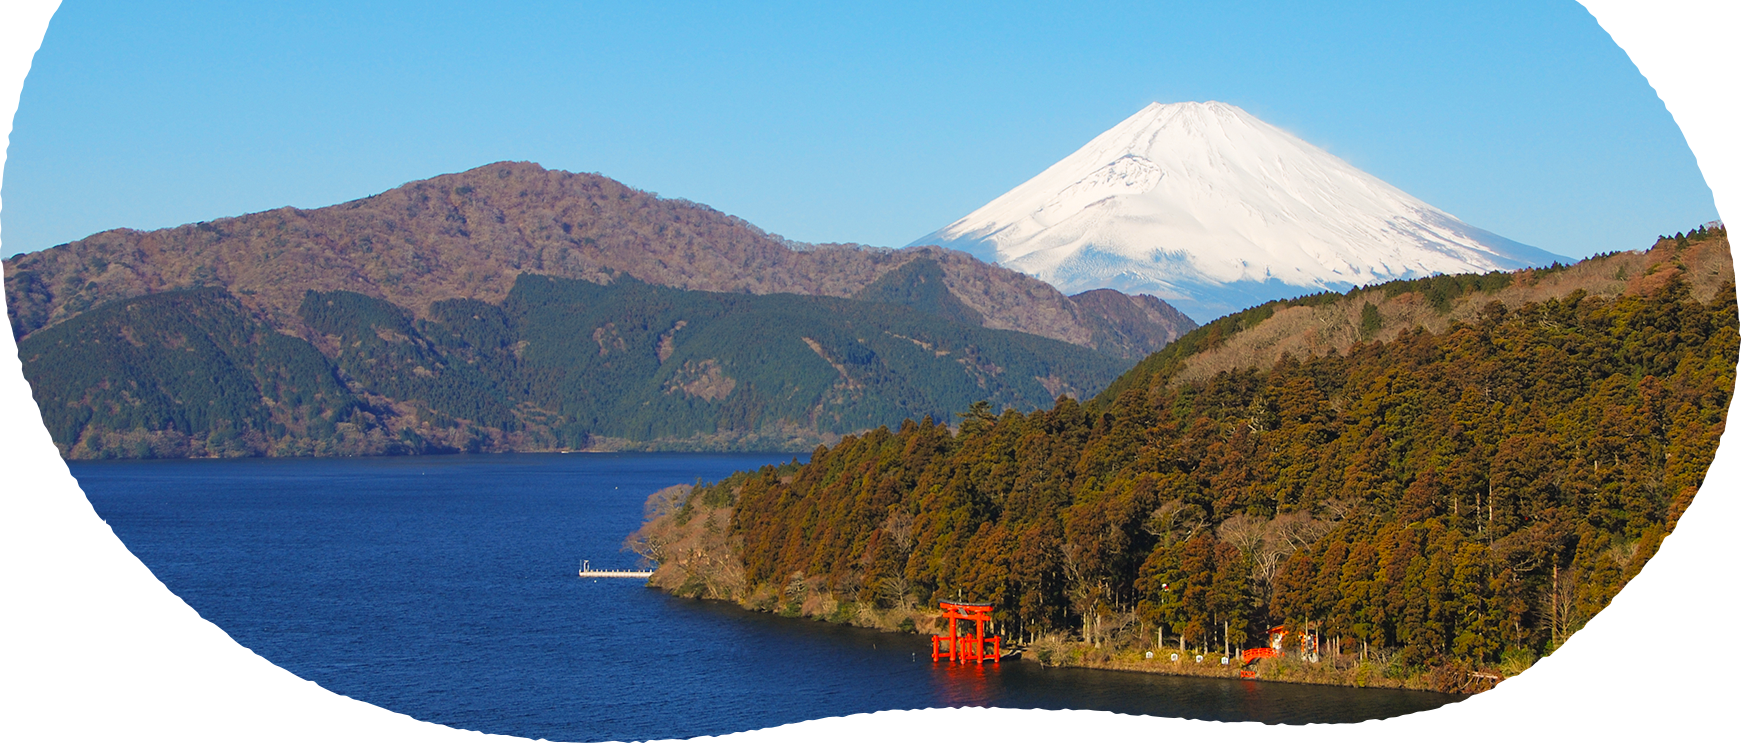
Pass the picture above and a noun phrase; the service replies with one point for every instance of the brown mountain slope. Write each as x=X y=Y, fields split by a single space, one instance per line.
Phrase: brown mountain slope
x=1130 y=321
x=468 y=235
x=1306 y=328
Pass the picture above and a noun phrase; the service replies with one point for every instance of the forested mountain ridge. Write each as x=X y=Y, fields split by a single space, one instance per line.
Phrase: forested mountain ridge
x=470 y=235
x=1438 y=499
x=1324 y=323
x=556 y=364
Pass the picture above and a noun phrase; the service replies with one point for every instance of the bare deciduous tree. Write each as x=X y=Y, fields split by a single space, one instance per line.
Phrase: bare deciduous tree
x=1086 y=593
x=1559 y=600
x=1176 y=521
x=650 y=541
x=1119 y=627
x=1244 y=531
x=899 y=526
x=895 y=591
x=666 y=501
x=1339 y=508
x=1298 y=529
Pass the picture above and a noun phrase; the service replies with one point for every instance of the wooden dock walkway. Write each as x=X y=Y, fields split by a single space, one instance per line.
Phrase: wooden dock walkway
x=586 y=571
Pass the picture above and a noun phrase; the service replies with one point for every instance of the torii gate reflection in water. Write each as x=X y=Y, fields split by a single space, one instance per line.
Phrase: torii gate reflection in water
x=961 y=648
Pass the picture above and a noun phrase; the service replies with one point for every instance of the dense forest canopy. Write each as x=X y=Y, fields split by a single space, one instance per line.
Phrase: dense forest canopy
x=558 y=363
x=1450 y=498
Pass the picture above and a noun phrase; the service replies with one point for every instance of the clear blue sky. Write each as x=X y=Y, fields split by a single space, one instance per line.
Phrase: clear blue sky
x=846 y=123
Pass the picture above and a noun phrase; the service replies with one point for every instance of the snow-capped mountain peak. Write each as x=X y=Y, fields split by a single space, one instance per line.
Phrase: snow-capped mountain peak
x=1214 y=210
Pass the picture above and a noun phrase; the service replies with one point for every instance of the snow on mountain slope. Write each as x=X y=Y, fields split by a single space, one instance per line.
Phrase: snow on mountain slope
x=1213 y=210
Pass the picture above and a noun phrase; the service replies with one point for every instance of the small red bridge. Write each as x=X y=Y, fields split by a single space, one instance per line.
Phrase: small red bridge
x=1256 y=654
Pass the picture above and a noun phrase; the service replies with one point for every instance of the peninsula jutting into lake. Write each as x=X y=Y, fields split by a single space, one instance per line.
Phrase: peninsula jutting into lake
x=1424 y=484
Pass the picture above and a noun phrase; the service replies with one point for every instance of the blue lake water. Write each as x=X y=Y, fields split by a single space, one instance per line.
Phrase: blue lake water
x=445 y=588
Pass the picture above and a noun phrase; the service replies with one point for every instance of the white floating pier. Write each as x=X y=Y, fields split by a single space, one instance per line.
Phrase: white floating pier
x=586 y=571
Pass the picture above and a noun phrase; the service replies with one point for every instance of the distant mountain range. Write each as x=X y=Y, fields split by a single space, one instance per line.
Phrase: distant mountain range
x=1214 y=210
x=470 y=235
x=515 y=308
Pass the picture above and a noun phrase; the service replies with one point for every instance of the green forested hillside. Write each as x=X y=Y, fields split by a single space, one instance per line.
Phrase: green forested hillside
x=559 y=363
x=1440 y=501
x=920 y=285
x=751 y=361
x=178 y=374
x=388 y=355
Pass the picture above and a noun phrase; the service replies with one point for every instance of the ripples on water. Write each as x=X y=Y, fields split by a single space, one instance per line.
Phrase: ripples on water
x=445 y=588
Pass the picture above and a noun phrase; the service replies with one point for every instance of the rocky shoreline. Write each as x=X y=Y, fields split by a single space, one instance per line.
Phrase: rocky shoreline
x=1348 y=670
x=691 y=542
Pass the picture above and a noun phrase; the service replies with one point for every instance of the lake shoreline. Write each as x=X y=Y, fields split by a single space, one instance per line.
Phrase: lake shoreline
x=1346 y=672
x=1053 y=651
x=444 y=588
x=690 y=540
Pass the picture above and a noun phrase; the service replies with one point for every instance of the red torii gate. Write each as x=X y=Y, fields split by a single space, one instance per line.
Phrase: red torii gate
x=961 y=648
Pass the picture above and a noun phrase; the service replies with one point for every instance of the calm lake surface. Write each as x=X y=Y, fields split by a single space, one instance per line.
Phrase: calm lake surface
x=445 y=588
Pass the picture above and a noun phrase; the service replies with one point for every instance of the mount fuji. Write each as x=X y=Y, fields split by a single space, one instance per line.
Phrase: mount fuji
x=1214 y=210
